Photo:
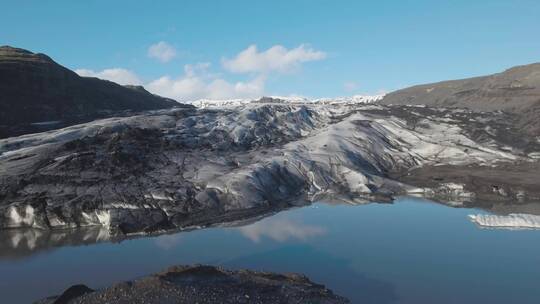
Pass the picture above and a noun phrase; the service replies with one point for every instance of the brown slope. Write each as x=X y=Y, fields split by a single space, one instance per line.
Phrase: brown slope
x=516 y=90
x=34 y=89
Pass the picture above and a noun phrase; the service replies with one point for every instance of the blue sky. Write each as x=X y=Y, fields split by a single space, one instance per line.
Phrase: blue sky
x=328 y=48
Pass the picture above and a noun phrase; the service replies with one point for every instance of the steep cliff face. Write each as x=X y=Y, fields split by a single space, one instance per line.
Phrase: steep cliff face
x=516 y=90
x=36 y=93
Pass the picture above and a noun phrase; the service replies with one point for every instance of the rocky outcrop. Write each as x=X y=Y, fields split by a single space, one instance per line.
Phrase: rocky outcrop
x=38 y=94
x=182 y=168
x=205 y=285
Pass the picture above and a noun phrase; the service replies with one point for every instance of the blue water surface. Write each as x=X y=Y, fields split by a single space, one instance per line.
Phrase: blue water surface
x=413 y=251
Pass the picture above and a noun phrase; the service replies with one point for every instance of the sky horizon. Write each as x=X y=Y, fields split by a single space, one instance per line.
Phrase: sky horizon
x=239 y=49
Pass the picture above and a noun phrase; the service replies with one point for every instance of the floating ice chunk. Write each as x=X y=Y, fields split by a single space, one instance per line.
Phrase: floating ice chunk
x=513 y=220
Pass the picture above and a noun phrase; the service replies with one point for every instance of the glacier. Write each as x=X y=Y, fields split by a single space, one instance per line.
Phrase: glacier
x=188 y=167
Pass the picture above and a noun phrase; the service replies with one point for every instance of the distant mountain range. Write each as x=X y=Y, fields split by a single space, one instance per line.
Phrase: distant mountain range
x=37 y=94
x=355 y=99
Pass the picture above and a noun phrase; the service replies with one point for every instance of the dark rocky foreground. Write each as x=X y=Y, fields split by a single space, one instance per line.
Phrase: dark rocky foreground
x=37 y=94
x=204 y=285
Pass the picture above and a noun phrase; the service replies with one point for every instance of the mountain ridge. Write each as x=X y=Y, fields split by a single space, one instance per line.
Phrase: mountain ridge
x=35 y=91
x=515 y=90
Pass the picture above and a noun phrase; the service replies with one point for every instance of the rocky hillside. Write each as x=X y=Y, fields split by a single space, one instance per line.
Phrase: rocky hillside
x=516 y=90
x=36 y=93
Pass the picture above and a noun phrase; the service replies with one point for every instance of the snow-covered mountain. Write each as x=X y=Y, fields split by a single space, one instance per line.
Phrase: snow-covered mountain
x=355 y=99
x=205 y=103
x=350 y=99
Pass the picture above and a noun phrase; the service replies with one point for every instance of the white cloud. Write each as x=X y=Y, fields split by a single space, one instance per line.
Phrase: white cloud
x=276 y=58
x=118 y=75
x=162 y=51
x=350 y=86
x=197 y=83
x=280 y=230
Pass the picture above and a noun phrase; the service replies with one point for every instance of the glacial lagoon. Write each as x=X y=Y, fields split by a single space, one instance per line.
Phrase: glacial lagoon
x=412 y=251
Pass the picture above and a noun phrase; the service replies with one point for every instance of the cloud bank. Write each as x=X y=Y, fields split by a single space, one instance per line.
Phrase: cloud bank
x=274 y=59
x=198 y=82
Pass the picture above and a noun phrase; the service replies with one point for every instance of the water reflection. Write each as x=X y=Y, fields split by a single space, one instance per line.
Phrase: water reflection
x=168 y=241
x=412 y=251
x=280 y=229
x=19 y=243
x=321 y=267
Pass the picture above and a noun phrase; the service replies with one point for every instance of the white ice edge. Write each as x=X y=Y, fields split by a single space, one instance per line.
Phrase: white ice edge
x=513 y=220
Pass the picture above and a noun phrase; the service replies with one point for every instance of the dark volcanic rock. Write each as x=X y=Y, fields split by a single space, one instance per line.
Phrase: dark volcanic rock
x=37 y=94
x=72 y=293
x=516 y=90
x=206 y=285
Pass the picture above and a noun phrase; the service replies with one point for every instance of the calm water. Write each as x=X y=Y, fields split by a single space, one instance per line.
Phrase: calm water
x=409 y=252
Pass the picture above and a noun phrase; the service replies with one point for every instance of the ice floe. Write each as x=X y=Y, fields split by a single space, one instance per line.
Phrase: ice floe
x=512 y=221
